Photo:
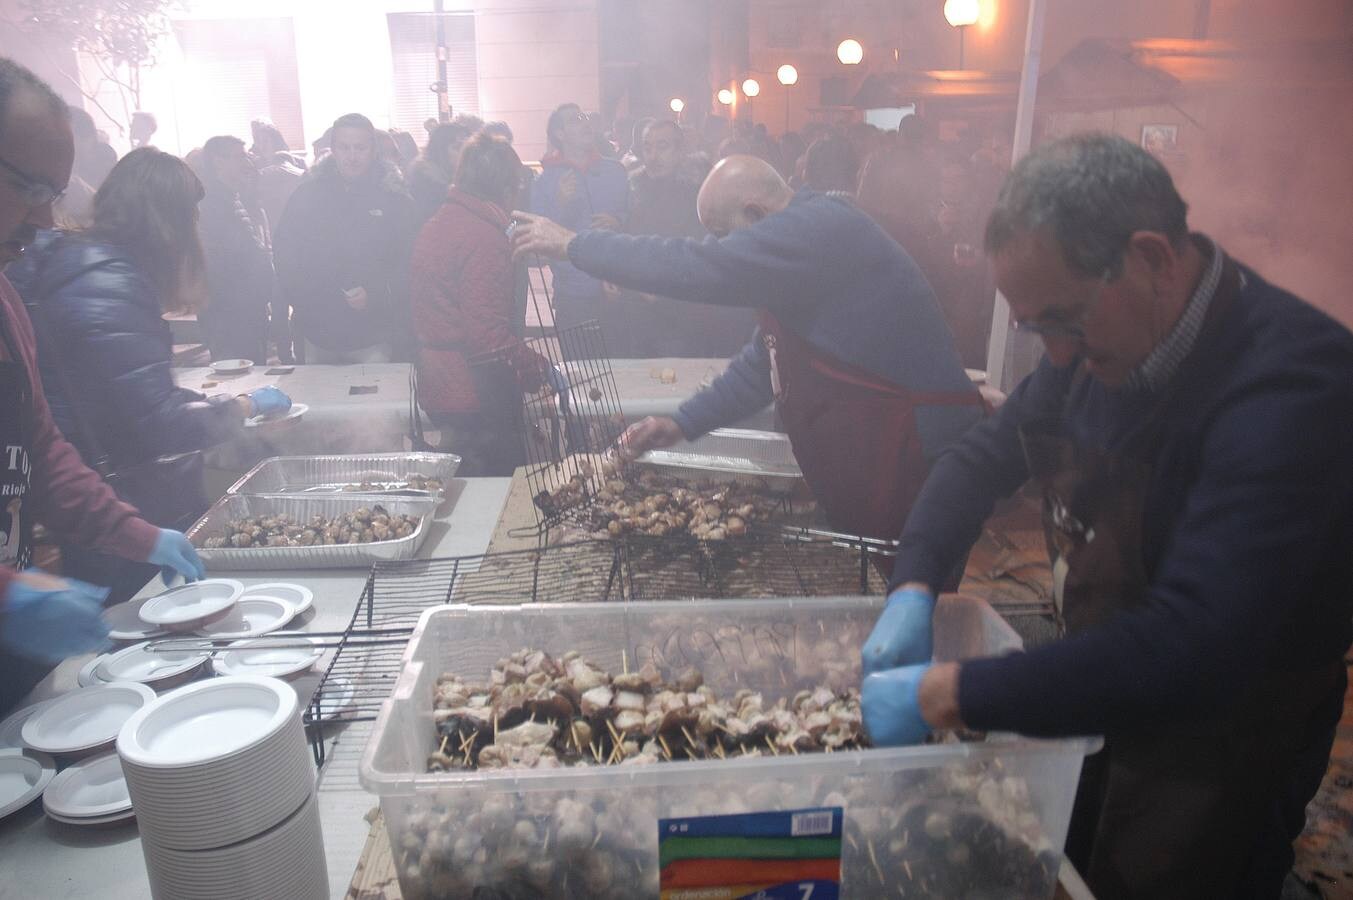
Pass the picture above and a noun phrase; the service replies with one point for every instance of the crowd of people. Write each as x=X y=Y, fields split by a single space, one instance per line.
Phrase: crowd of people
x=377 y=251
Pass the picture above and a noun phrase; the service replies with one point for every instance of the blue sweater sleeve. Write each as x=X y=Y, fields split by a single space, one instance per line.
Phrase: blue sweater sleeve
x=1270 y=492
x=742 y=390
x=773 y=268
x=985 y=465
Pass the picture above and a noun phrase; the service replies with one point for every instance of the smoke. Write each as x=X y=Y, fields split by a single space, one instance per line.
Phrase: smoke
x=1271 y=179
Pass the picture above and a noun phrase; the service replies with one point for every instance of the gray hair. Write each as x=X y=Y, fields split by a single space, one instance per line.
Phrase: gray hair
x=14 y=77
x=1093 y=191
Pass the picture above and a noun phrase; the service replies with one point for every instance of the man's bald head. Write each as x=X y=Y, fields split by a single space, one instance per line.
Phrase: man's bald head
x=739 y=192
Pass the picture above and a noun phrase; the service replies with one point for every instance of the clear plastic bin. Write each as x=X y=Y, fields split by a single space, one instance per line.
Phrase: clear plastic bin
x=960 y=819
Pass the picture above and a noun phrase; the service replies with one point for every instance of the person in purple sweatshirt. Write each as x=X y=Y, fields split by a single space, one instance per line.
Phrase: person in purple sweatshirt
x=1191 y=431
x=43 y=618
x=852 y=346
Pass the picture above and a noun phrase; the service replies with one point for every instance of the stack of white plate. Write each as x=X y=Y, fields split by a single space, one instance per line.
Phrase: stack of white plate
x=224 y=791
x=91 y=792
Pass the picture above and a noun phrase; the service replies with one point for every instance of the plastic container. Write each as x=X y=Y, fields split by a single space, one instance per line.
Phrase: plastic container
x=918 y=820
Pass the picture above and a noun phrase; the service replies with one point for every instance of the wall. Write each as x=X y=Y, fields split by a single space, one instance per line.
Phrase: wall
x=533 y=55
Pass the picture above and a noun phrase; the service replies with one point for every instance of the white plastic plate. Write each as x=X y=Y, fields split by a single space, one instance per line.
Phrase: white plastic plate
x=135 y=663
x=297 y=410
x=89 y=673
x=11 y=729
x=92 y=788
x=85 y=719
x=337 y=698
x=189 y=603
x=299 y=596
x=24 y=775
x=125 y=816
x=124 y=622
x=264 y=659
x=232 y=366
x=251 y=617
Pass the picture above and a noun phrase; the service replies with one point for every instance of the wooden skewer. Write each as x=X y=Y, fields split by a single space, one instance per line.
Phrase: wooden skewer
x=771 y=746
x=665 y=749
x=875 y=860
x=442 y=748
x=615 y=735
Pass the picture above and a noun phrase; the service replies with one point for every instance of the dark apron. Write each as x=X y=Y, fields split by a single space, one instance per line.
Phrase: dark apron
x=18 y=674
x=854 y=434
x=1206 y=808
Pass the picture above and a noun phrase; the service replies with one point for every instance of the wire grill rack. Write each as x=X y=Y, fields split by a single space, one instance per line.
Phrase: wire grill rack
x=784 y=564
x=559 y=430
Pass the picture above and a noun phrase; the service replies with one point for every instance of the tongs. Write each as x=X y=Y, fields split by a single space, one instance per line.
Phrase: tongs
x=284 y=640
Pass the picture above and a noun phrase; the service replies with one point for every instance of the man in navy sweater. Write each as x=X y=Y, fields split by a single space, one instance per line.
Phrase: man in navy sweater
x=1191 y=429
x=852 y=345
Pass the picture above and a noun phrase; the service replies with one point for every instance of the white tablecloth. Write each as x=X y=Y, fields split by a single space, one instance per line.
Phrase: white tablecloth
x=338 y=421
x=644 y=393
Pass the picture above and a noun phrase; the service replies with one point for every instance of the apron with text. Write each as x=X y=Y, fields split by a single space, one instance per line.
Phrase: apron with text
x=16 y=401
x=1207 y=808
x=18 y=674
x=854 y=434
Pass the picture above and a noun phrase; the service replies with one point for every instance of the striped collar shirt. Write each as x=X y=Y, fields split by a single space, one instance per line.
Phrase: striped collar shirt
x=1161 y=364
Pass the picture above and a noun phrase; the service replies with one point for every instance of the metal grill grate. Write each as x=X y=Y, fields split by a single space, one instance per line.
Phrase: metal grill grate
x=563 y=434
x=638 y=568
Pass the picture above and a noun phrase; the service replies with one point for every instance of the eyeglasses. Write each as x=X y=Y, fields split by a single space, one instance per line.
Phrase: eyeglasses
x=32 y=192
x=1072 y=325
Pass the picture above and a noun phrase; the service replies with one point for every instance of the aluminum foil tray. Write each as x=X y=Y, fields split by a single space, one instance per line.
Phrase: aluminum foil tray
x=333 y=556
x=332 y=474
x=732 y=451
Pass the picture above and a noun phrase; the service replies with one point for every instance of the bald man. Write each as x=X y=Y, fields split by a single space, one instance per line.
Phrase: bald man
x=851 y=345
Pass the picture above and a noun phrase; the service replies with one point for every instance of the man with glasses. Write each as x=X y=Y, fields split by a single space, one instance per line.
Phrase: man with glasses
x=44 y=619
x=1191 y=430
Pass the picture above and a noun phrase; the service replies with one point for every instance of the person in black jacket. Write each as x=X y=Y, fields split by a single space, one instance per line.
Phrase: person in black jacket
x=1191 y=431
x=430 y=176
x=97 y=298
x=237 y=248
x=342 y=252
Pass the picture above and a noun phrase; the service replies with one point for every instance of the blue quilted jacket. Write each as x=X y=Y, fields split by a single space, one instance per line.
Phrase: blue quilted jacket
x=95 y=309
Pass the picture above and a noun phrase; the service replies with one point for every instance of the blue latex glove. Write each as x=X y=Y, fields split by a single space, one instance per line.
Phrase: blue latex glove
x=902 y=636
x=559 y=383
x=175 y=555
x=50 y=623
x=269 y=401
x=892 y=711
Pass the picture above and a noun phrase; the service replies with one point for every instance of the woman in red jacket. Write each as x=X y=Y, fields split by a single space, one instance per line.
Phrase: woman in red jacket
x=463 y=311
